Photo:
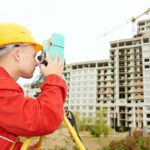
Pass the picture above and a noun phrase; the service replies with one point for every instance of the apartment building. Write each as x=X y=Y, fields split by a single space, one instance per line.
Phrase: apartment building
x=87 y=85
x=90 y=87
x=120 y=85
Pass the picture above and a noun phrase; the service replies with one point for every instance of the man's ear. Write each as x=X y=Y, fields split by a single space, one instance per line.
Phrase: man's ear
x=16 y=54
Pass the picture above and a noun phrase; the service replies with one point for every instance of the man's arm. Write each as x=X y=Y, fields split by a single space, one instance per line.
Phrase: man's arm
x=32 y=117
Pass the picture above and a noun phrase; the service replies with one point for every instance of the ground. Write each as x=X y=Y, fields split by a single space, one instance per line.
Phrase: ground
x=61 y=140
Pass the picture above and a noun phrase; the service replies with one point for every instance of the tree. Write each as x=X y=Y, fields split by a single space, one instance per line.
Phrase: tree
x=100 y=124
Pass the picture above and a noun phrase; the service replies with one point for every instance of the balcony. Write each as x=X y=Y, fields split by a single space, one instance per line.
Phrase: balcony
x=138 y=90
x=130 y=118
x=138 y=83
x=130 y=112
x=138 y=97
x=139 y=118
x=139 y=111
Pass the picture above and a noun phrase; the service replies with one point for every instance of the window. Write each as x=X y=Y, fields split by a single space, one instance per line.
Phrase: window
x=146 y=40
x=148 y=108
x=148 y=123
x=91 y=107
x=84 y=107
x=147 y=66
x=84 y=101
x=72 y=107
x=146 y=60
x=77 y=107
x=148 y=115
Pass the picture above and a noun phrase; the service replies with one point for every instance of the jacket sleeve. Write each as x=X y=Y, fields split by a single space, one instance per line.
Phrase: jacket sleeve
x=26 y=116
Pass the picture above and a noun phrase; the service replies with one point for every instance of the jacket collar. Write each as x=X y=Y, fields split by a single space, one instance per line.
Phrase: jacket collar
x=3 y=72
x=5 y=75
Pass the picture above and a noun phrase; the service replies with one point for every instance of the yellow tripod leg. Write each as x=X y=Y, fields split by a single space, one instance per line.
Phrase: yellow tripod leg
x=28 y=140
x=71 y=130
x=73 y=133
x=40 y=142
x=26 y=144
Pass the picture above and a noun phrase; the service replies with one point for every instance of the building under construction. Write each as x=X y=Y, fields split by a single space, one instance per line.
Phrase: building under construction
x=120 y=85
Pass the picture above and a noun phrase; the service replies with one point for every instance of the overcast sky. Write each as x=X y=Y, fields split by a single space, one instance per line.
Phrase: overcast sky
x=82 y=22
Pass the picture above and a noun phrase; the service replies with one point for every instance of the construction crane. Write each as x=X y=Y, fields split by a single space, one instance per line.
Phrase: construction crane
x=133 y=20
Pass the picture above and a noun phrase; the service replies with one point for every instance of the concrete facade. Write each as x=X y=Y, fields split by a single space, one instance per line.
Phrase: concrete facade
x=121 y=84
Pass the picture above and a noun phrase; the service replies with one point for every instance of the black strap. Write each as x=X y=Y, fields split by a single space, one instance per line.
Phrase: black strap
x=72 y=120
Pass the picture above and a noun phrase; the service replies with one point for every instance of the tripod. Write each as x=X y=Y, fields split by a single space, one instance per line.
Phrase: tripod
x=71 y=130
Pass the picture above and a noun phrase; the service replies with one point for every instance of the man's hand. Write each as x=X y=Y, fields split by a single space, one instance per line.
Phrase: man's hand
x=53 y=67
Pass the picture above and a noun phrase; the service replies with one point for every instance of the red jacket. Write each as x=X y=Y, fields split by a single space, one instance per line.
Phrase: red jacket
x=24 y=116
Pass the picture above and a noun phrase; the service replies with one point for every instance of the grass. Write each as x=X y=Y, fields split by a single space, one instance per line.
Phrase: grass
x=98 y=143
x=61 y=140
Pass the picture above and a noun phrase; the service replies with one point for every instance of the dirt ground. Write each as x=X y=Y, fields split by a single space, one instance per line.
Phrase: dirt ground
x=61 y=140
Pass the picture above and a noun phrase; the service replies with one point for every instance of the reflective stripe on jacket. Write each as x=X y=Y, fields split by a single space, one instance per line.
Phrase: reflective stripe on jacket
x=7 y=140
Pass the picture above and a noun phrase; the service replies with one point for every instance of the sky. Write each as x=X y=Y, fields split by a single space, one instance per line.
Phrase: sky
x=82 y=22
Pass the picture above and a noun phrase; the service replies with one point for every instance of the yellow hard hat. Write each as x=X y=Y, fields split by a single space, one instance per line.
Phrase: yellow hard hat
x=11 y=33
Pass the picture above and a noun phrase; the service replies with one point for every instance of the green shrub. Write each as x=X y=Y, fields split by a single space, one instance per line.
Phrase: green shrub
x=121 y=129
x=135 y=142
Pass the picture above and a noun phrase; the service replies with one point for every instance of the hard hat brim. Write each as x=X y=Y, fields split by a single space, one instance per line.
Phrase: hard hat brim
x=37 y=47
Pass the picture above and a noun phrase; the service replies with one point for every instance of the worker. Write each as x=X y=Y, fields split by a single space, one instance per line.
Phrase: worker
x=21 y=115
